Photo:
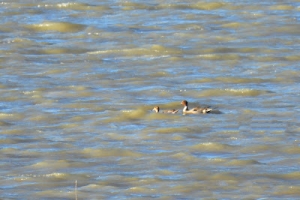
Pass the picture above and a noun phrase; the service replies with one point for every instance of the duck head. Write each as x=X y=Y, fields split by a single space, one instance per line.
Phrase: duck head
x=156 y=109
x=185 y=104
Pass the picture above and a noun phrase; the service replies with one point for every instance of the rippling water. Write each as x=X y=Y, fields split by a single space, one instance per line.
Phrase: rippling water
x=79 y=81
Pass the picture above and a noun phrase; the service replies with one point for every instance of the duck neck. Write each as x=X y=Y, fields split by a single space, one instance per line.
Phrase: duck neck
x=185 y=108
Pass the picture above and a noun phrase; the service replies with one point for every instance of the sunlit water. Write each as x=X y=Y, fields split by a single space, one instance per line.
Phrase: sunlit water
x=79 y=81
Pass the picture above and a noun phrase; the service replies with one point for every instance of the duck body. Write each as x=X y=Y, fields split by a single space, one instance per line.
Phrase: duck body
x=197 y=110
x=157 y=110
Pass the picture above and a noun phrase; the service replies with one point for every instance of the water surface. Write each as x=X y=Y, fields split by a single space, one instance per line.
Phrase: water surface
x=79 y=80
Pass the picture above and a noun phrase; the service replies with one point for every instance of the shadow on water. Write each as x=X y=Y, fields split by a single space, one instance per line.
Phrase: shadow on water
x=215 y=112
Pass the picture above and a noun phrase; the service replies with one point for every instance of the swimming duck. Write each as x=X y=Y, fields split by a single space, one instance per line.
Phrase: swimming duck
x=156 y=109
x=196 y=110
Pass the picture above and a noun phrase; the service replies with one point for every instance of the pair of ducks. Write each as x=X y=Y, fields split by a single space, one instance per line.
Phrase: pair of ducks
x=185 y=110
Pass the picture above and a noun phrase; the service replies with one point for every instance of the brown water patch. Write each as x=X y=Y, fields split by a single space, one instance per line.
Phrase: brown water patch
x=140 y=190
x=242 y=162
x=14 y=131
x=11 y=116
x=292 y=150
x=190 y=188
x=63 y=27
x=127 y=5
x=120 y=181
x=232 y=25
x=70 y=125
x=188 y=26
x=53 y=164
x=32 y=154
x=223 y=176
x=160 y=74
x=49 y=181
x=43 y=117
x=133 y=80
x=187 y=158
x=154 y=50
x=2 y=123
x=54 y=194
x=282 y=7
x=256 y=148
x=196 y=6
x=80 y=6
x=40 y=100
x=68 y=92
x=89 y=106
x=9 y=98
x=232 y=92
x=98 y=153
x=230 y=80
x=177 y=130
x=177 y=137
x=216 y=181
x=71 y=50
x=226 y=56
x=165 y=106
x=115 y=136
x=162 y=116
x=8 y=151
x=213 y=147
x=34 y=93
x=56 y=176
x=289 y=191
x=123 y=116
x=288 y=29
x=289 y=76
x=293 y=58
x=206 y=5
x=60 y=70
x=218 y=51
x=2 y=86
x=162 y=94
x=289 y=176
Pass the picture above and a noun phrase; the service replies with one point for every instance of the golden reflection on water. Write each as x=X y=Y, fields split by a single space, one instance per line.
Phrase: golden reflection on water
x=57 y=26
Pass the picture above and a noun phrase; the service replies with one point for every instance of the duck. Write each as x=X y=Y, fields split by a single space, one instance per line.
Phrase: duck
x=196 y=110
x=156 y=109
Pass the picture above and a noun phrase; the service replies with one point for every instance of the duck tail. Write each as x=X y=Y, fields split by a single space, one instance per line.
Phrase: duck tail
x=207 y=110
